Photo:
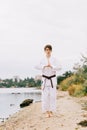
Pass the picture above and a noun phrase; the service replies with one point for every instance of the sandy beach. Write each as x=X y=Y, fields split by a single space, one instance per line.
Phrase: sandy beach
x=69 y=113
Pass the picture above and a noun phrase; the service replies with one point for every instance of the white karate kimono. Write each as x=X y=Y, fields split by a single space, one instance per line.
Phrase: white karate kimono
x=49 y=93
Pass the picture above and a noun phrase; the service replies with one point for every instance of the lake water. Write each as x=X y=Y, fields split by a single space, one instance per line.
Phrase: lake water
x=10 y=99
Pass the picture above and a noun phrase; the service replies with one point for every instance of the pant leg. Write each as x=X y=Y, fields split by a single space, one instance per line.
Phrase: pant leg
x=46 y=99
x=53 y=99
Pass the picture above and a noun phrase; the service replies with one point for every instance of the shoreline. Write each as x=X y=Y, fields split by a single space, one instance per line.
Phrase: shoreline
x=19 y=90
x=69 y=113
x=10 y=99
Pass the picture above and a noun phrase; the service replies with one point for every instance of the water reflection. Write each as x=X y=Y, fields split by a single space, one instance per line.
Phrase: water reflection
x=9 y=103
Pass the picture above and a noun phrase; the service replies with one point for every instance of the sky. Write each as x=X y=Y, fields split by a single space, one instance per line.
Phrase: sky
x=27 y=26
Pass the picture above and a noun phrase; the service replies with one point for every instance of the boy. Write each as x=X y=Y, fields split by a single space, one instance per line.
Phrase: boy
x=49 y=66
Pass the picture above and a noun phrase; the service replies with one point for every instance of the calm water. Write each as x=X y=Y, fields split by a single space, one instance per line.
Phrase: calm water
x=10 y=99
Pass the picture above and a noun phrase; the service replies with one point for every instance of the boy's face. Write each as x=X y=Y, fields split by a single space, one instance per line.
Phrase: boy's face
x=48 y=51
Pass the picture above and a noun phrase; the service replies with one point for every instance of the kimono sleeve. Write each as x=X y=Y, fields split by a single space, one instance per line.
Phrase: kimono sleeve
x=40 y=65
x=56 y=65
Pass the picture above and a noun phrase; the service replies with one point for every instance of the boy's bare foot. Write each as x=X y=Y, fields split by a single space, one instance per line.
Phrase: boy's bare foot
x=48 y=114
x=51 y=113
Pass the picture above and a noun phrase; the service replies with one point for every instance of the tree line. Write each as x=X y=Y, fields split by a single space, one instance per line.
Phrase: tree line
x=27 y=82
x=30 y=82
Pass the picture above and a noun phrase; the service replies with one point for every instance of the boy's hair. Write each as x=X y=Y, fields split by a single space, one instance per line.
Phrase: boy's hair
x=48 y=46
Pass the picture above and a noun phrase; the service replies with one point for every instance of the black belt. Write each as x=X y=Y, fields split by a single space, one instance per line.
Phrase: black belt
x=50 y=78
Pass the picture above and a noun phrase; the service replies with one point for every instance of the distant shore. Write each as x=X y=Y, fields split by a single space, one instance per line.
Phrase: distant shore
x=69 y=113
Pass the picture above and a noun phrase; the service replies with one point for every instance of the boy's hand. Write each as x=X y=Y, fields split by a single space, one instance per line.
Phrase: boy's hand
x=42 y=87
x=48 y=66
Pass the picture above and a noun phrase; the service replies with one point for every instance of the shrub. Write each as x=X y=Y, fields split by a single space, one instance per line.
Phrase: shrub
x=71 y=89
x=66 y=83
x=85 y=87
x=76 y=90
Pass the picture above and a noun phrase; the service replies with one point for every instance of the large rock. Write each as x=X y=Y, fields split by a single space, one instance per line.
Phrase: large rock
x=26 y=102
x=83 y=123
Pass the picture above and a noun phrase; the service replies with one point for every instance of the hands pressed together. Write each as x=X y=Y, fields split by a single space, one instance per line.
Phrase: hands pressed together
x=48 y=66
